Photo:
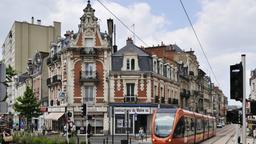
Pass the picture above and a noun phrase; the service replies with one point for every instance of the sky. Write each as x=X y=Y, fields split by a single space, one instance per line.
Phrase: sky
x=226 y=28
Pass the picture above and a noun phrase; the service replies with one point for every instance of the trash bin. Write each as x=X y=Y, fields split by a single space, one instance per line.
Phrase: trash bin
x=124 y=141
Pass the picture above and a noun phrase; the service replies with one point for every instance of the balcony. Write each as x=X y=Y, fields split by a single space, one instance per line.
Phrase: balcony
x=56 y=79
x=88 y=76
x=162 y=100
x=87 y=52
x=130 y=99
x=156 y=99
x=49 y=82
x=185 y=94
x=175 y=101
x=169 y=100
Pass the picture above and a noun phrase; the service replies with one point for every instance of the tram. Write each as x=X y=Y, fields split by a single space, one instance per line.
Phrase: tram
x=179 y=126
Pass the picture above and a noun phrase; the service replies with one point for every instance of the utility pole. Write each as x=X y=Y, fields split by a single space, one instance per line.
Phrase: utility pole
x=244 y=95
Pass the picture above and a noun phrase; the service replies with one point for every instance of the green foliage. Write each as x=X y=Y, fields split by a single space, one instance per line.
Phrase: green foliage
x=26 y=138
x=27 y=105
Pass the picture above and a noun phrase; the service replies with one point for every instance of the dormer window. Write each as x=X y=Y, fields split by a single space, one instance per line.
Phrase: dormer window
x=130 y=62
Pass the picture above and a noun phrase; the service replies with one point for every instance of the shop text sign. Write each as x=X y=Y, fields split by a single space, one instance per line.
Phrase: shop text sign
x=132 y=110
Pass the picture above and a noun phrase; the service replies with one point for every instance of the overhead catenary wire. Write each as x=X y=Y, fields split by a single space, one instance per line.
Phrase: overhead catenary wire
x=199 y=42
x=122 y=22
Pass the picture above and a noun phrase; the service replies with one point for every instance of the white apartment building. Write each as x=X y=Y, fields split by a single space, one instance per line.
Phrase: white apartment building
x=21 y=43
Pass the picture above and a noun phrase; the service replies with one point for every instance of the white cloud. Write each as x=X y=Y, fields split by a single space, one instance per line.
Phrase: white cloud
x=226 y=28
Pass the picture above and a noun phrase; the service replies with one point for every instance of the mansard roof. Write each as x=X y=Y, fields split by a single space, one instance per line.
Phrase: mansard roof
x=130 y=48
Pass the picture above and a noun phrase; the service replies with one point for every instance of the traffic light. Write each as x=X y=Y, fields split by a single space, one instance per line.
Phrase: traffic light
x=84 y=109
x=236 y=82
x=253 y=107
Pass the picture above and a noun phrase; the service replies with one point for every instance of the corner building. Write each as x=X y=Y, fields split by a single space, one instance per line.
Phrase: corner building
x=78 y=65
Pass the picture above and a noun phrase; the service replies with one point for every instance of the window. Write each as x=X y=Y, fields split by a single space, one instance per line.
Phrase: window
x=155 y=66
x=88 y=70
x=189 y=126
x=180 y=128
x=130 y=97
x=88 y=42
x=132 y=64
x=155 y=91
x=88 y=94
x=199 y=126
x=164 y=124
x=128 y=64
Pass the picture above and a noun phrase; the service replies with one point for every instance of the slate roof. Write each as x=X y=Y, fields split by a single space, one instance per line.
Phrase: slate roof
x=130 y=48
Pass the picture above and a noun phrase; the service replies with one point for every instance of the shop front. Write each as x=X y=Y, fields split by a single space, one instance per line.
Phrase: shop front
x=95 y=119
x=132 y=117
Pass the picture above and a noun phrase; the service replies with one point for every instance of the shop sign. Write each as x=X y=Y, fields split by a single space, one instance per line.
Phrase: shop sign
x=133 y=110
x=56 y=109
x=43 y=109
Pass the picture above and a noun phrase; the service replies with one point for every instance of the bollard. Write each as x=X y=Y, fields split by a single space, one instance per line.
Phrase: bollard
x=103 y=141
x=107 y=140
x=130 y=140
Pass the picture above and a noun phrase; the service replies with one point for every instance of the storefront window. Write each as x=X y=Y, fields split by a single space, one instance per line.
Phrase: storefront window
x=120 y=124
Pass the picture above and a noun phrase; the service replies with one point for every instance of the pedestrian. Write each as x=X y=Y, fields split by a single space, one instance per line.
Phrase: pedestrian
x=44 y=128
x=141 y=133
x=64 y=130
x=254 y=133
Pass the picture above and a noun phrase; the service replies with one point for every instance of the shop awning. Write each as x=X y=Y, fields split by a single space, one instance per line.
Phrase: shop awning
x=53 y=116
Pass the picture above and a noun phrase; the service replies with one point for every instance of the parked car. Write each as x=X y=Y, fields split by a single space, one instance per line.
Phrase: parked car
x=223 y=124
x=219 y=125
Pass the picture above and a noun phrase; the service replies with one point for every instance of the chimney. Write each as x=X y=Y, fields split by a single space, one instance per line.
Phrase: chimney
x=32 y=20
x=39 y=22
x=129 y=41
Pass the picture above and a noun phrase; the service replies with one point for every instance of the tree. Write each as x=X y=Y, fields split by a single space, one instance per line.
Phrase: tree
x=27 y=105
x=10 y=73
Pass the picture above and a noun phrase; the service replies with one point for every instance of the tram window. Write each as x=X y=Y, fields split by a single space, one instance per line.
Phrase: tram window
x=210 y=125
x=199 y=126
x=189 y=127
x=180 y=128
x=192 y=126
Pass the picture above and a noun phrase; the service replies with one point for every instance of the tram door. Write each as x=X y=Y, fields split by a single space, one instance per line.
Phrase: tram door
x=141 y=122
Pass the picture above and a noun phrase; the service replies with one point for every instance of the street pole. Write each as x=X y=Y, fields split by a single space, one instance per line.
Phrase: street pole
x=113 y=112
x=66 y=116
x=86 y=123
x=244 y=95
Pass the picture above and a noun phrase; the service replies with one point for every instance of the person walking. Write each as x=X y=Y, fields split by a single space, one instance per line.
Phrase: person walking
x=44 y=128
x=141 y=133
x=254 y=134
x=65 y=129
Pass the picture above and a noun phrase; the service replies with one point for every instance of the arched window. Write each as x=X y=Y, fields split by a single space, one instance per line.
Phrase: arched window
x=132 y=64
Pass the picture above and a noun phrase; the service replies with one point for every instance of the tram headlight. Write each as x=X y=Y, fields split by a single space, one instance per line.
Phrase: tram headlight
x=169 y=140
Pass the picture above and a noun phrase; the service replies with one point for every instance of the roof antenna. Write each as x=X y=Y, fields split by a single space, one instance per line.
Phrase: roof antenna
x=133 y=34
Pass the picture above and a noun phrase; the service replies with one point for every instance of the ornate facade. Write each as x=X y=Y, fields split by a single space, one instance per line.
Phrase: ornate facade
x=78 y=65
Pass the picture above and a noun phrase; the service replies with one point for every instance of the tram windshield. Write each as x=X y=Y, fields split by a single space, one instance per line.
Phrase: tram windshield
x=164 y=124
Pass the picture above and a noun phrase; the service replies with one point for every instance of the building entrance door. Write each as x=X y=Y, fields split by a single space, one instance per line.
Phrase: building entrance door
x=141 y=122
